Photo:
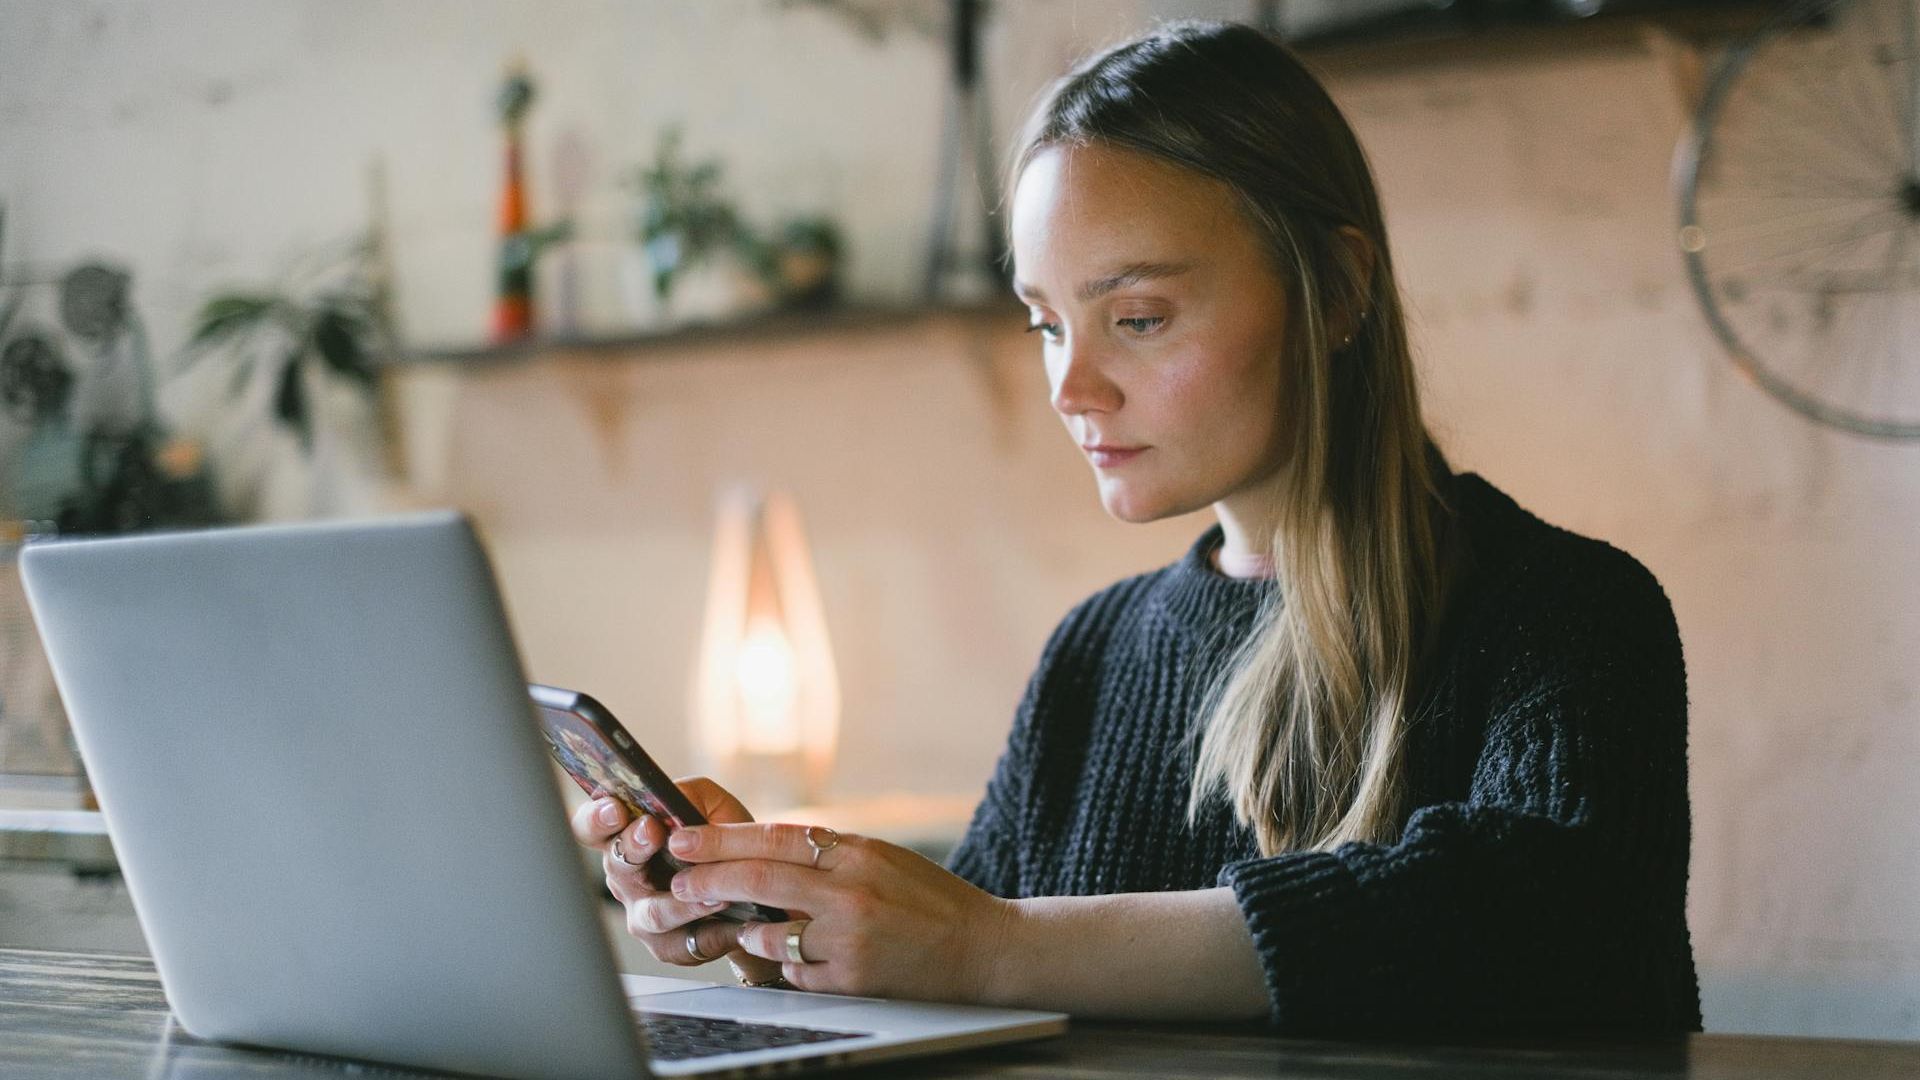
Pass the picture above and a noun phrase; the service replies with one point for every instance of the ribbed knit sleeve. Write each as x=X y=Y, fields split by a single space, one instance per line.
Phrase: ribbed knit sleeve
x=1552 y=895
x=990 y=852
x=987 y=852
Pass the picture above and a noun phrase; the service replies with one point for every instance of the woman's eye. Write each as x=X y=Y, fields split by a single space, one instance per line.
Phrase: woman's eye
x=1142 y=325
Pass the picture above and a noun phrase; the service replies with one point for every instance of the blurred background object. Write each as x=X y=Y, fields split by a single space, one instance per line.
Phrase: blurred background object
x=688 y=223
x=766 y=696
x=520 y=242
x=967 y=195
x=285 y=383
x=1800 y=198
x=306 y=352
x=87 y=451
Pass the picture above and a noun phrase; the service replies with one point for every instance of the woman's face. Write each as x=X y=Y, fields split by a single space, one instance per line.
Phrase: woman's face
x=1161 y=320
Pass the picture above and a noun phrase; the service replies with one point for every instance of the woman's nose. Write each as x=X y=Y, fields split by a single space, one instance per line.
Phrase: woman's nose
x=1081 y=384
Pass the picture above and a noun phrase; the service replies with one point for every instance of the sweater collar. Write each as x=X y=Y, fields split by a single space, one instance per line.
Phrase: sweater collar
x=1200 y=600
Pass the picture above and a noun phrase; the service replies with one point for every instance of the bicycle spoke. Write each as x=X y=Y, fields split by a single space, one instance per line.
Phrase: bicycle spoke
x=1797 y=102
x=1763 y=152
x=1822 y=216
x=1864 y=360
x=1788 y=113
x=1874 y=224
x=1857 y=78
x=1861 y=228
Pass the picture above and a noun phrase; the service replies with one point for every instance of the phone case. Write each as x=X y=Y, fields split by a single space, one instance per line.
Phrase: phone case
x=604 y=760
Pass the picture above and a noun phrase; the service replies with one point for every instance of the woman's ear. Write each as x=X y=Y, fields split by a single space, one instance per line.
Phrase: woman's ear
x=1351 y=309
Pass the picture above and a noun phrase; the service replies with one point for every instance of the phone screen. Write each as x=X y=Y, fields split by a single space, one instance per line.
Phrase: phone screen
x=604 y=760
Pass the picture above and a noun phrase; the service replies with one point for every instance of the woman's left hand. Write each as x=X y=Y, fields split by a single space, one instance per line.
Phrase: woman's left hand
x=878 y=919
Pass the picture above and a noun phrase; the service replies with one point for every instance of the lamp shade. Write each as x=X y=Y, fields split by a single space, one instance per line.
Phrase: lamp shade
x=765 y=696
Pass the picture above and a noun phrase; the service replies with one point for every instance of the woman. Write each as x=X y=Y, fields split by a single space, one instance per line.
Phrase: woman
x=1382 y=753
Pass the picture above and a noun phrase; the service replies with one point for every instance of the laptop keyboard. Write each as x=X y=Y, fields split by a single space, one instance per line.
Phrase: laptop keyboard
x=673 y=1037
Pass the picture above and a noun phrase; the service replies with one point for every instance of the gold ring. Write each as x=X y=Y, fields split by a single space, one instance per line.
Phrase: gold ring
x=819 y=845
x=693 y=949
x=794 y=930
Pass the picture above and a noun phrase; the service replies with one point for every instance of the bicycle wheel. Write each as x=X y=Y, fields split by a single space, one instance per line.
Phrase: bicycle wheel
x=1800 y=211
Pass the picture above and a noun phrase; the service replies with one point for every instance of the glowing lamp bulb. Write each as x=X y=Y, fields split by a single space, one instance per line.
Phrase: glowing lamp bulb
x=764 y=674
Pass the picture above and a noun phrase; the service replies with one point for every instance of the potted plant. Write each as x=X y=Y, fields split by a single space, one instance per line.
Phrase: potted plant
x=687 y=223
x=98 y=468
x=805 y=267
x=309 y=350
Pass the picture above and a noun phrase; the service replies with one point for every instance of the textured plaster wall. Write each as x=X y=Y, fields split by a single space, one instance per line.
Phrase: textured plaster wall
x=1530 y=218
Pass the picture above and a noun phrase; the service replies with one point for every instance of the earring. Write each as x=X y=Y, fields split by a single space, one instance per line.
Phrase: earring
x=1348 y=340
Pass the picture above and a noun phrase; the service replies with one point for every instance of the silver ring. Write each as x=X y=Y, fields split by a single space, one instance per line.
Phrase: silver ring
x=621 y=857
x=818 y=845
x=794 y=930
x=693 y=949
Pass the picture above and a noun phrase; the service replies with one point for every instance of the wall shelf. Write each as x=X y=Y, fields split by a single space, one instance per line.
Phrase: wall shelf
x=777 y=326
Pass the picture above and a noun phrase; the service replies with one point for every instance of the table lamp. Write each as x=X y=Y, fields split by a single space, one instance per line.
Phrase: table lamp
x=766 y=701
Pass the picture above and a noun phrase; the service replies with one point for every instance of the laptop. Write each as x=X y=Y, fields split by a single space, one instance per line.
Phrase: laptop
x=317 y=760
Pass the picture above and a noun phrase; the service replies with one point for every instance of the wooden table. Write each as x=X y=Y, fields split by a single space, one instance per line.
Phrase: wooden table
x=73 y=1015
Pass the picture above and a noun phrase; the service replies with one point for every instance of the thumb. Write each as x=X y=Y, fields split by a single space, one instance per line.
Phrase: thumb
x=715 y=802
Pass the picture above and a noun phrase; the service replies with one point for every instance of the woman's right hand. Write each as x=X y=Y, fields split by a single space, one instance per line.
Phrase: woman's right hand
x=654 y=916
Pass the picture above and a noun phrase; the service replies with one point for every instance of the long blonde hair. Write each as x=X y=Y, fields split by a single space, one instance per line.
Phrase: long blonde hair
x=1303 y=729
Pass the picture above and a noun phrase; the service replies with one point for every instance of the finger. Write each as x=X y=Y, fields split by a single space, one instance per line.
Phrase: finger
x=627 y=855
x=640 y=875
x=598 y=820
x=770 y=840
x=769 y=941
x=662 y=914
x=761 y=881
x=714 y=939
x=817 y=977
x=655 y=835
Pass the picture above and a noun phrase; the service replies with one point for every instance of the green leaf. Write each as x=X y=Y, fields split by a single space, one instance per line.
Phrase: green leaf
x=337 y=337
x=223 y=316
x=290 y=402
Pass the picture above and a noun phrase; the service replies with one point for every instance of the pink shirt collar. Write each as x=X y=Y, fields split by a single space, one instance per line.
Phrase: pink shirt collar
x=1242 y=566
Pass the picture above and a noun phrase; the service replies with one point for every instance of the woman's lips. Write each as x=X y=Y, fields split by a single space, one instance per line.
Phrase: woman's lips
x=1107 y=457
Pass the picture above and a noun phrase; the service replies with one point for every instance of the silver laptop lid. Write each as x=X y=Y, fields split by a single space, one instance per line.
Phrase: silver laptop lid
x=314 y=751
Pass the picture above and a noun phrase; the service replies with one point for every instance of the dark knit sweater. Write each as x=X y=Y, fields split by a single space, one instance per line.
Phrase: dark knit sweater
x=1539 y=882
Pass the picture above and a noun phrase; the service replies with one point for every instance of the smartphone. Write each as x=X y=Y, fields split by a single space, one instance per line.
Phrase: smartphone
x=606 y=761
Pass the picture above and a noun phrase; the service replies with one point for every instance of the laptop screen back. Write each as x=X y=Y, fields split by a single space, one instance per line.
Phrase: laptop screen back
x=315 y=754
